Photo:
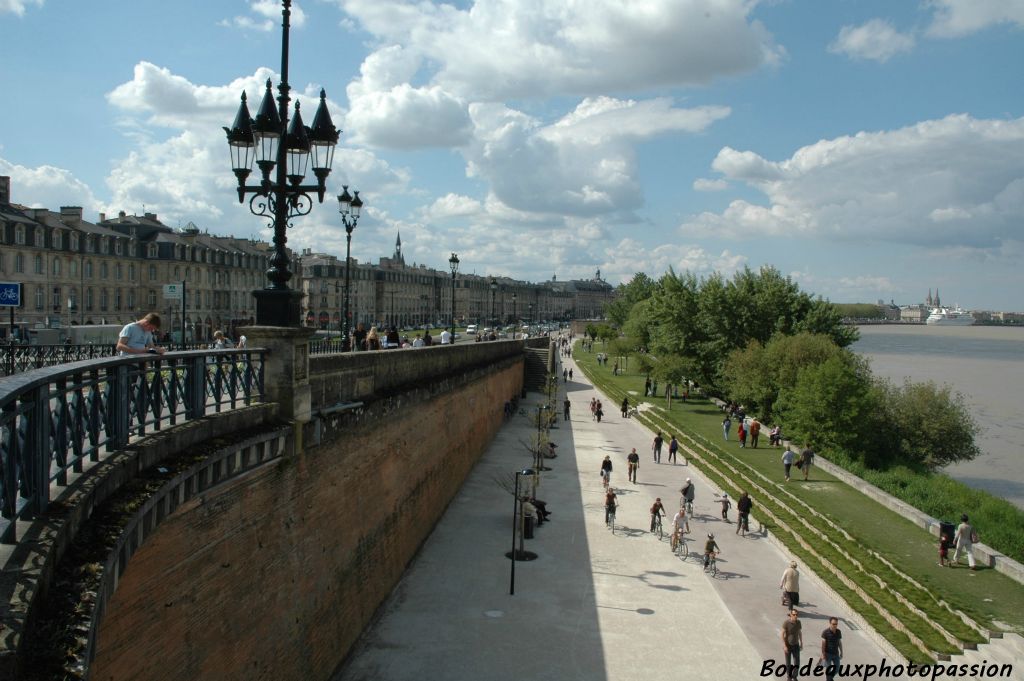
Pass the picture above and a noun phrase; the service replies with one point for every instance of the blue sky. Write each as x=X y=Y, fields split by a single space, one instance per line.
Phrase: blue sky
x=870 y=150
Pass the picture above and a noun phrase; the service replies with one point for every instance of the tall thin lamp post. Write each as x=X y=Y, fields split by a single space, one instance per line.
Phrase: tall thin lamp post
x=349 y=207
x=453 y=263
x=276 y=142
x=494 y=291
x=516 y=528
x=514 y=318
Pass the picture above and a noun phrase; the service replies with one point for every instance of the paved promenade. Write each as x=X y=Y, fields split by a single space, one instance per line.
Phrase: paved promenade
x=593 y=605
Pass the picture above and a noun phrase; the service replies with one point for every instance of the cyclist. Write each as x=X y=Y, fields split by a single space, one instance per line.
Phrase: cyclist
x=657 y=511
x=606 y=470
x=688 y=491
x=609 y=504
x=679 y=526
x=710 y=548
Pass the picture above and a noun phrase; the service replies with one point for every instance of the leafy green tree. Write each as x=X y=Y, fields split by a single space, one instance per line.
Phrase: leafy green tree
x=672 y=370
x=931 y=424
x=591 y=331
x=606 y=333
x=859 y=311
x=623 y=347
x=835 y=405
x=639 y=288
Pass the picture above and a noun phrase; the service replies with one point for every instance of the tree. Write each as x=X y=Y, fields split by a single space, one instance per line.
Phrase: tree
x=591 y=331
x=639 y=288
x=836 y=405
x=931 y=424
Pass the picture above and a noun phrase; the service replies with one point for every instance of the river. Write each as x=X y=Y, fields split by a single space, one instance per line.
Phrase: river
x=986 y=364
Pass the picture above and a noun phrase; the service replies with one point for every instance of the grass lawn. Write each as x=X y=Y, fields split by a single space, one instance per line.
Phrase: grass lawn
x=990 y=598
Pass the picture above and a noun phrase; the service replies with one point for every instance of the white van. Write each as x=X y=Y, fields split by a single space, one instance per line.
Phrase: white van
x=471 y=330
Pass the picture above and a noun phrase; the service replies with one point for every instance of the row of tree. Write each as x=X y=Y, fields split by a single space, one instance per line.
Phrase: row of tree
x=759 y=340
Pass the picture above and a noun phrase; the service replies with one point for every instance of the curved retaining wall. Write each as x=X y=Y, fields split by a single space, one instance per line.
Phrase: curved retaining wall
x=275 y=575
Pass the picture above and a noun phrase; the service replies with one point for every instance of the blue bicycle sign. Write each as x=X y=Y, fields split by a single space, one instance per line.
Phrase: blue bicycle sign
x=10 y=294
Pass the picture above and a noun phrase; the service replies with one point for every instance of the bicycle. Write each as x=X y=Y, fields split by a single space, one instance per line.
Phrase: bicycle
x=679 y=545
x=657 y=527
x=712 y=564
x=689 y=508
x=611 y=518
x=632 y=411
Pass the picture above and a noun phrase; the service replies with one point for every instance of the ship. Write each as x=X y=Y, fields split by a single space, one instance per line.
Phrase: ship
x=945 y=316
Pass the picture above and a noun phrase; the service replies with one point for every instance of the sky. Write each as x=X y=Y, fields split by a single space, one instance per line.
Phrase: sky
x=869 y=149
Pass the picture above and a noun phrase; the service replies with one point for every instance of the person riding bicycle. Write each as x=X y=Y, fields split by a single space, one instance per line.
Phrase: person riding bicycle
x=606 y=470
x=657 y=511
x=679 y=525
x=609 y=504
x=710 y=547
x=688 y=491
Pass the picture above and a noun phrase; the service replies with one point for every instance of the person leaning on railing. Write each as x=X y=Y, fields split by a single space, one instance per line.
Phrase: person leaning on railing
x=137 y=338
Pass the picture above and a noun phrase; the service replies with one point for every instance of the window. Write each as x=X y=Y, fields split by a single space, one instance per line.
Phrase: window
x=104 y=300
x=153 y=250
x=131 y=272
x=118 y=272
x=131 y=299
x=39 y=297
x=58 y=239
x=104 y=271
x=90 y=244
x=88 y=269
x=19 y=263
x=19 y=235
x=56 y=298
x=39 y=237
x=74 y=242
x=104 y=245
x=118 y=247
x=177 y=272
x=151 y=299
x=152 y=272
x=117 y=299
x=2 y=258
x=56 y=267
x=38 y=263
x=73 y=268
x=88 y=299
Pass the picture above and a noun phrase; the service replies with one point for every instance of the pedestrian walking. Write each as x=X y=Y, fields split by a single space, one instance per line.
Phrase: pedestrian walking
x=625 y=407
x=831 y=648
x=570 y=374
x=741 y=432
x=806 y=459
x=593 y=408
x=565 y=375
x=965 y=538
x=656 y=446
x=673 y=447
x=600 y=411
x=633 y=460
x=792 y=642
x=726 y=425
x=755 y=431
x=787 y=461
x=726 y=505
x=565 y=409
x=790 y=586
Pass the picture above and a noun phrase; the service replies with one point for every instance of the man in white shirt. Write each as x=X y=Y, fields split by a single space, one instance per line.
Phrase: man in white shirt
x=418 y=343
x=446 y=337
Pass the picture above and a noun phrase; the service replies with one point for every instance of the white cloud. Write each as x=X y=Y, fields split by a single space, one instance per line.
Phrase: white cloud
x=953 y=181
x=453 y=205
x=499 y=49
x=628 y=256
x=48 y=187
x=955 y=18
x=876 y=40
x=702 y=184
x=268 y=17
x=581 y=165
x=866 y=283
x=17 y=6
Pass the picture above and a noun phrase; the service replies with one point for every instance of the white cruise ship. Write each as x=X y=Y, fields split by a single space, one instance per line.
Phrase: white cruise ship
x=944 y=316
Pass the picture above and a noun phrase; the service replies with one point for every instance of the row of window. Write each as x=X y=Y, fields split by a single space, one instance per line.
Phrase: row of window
x=56 y=269
x=121 y=299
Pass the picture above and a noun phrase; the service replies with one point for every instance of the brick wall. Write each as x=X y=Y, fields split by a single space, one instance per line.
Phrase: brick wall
x=275 y=575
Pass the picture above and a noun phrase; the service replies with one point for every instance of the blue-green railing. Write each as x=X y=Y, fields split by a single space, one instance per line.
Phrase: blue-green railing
x=55 y=421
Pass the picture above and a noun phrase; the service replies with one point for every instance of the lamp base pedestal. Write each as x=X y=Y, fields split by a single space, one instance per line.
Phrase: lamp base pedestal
x=278 y=307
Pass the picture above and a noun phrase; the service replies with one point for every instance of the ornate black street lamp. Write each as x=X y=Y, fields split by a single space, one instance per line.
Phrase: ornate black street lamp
x=453 y=263
x=275 y=141
x=531 y=314
x=349 y=207
x=494 y=290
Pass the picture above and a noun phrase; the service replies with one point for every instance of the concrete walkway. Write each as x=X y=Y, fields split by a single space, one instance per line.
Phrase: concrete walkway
x=594 y=605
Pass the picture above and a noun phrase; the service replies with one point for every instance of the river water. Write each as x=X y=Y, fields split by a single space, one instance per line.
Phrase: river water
x=986 y=364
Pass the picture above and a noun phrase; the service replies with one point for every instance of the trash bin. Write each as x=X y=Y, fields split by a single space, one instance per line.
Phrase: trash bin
x=949 y=530
x=528 y=527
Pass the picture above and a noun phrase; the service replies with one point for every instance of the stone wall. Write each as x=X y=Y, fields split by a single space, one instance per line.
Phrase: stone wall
x=275 y=575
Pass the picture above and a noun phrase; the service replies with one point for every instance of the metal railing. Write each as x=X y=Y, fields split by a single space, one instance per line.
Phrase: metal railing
x=55 y=421
x=15 y=359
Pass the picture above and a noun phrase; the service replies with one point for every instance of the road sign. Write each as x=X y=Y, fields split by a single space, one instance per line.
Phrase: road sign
x=10 y=294
x=172 y=291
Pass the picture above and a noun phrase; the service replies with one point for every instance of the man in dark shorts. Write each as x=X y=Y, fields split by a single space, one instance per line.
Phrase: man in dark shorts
x=657 y=447
x=633 y=459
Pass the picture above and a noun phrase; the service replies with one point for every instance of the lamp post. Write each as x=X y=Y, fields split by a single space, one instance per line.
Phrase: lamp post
x=531 y=314
x=349 y=207
x=515 y=320
x=494 y=290
x=453 y=263
x=517 y=528
x=276 y=142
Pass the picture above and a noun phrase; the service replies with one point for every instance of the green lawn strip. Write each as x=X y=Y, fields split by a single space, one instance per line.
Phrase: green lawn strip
x=703 y=418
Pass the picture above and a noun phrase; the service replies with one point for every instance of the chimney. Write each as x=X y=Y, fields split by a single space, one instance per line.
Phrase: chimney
x=122 y=214
x=5 y=189
x=103 y=217
x=71 y=214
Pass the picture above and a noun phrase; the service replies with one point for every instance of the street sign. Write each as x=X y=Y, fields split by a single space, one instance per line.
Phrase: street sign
x=172 y=291
x=10 y=294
